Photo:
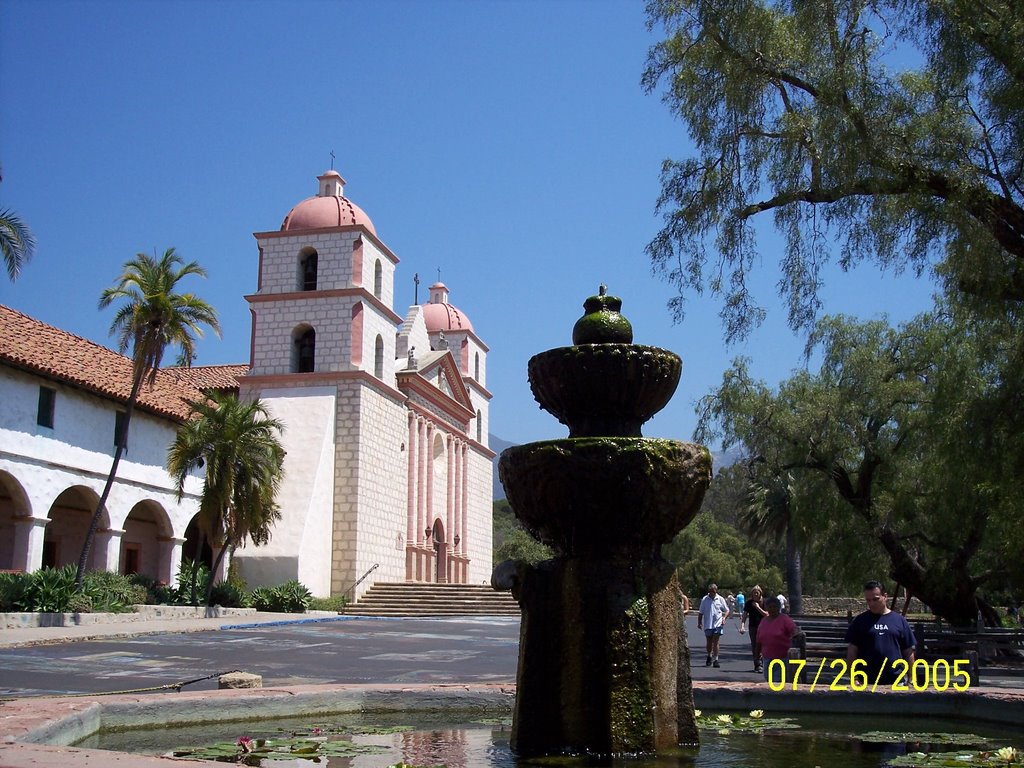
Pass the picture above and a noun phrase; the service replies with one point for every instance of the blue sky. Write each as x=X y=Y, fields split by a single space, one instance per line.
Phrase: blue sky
x=507 y=143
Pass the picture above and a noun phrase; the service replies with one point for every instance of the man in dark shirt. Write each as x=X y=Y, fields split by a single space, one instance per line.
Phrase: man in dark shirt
x=879 y=634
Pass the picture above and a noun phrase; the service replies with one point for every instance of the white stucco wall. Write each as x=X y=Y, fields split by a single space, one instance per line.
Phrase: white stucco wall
x=300 y=543
x=479 y=520
x=77 y=453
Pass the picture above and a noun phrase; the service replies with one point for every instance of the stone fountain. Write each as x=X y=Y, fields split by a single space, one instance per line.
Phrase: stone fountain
x=603 y=662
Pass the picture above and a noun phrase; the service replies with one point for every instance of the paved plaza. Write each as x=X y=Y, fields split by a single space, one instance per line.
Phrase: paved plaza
x=293 y=652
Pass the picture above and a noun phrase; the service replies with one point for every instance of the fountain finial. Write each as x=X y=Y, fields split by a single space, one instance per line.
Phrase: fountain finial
x=602 y=322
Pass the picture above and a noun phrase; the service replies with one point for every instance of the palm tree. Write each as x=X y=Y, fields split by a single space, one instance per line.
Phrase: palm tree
x=152 y=318
x=16 y=241
x=237 y=443
x=769 y=517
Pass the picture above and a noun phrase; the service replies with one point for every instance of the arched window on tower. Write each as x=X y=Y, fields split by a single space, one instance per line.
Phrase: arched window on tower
x=308 y=269
x=378 y=357
x=476 y=366
x=479 y=427
x=303 y=349
x=378 y=278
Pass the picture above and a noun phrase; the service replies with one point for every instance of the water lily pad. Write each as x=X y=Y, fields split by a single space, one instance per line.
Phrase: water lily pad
x=738 y=722
x=902 y=737
x=960 y=759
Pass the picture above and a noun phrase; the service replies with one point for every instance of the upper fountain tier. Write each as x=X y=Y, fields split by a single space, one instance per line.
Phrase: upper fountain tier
x=604 y=386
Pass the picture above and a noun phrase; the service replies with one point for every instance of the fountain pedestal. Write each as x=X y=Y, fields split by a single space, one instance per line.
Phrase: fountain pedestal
x=603 y=665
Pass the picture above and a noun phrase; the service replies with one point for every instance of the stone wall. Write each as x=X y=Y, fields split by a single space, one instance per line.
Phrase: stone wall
x=838 y=606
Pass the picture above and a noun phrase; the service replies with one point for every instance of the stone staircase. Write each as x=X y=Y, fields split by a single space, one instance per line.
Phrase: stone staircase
x=419 y=599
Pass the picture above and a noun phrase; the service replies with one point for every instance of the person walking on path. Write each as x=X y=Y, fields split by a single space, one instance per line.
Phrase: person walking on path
x=740 y=602
x=879 y=636
x=711 y=617
x=774 y=637
x=753 y=612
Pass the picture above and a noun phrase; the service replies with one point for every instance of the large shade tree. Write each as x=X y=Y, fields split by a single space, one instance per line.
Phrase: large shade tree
x=152 y=315
x=893 y=128
x=237 y=445
x=890 y=425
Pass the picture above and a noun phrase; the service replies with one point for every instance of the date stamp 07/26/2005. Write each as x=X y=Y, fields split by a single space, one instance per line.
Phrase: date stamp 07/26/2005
x=939 y=675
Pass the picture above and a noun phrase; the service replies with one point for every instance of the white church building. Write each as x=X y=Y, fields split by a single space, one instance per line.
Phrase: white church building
x=387 y=472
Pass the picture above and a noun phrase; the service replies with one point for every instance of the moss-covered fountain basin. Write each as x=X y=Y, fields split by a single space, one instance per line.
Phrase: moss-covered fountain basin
x=640 y=490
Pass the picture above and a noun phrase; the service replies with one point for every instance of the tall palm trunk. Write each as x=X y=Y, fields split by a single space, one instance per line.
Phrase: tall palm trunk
x=794 y=572
x=193 y=599
x=213 y=571
x=122 y=440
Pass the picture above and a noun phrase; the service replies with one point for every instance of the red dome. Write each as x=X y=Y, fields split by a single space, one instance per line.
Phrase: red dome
x=445 y=317
x=321 y=212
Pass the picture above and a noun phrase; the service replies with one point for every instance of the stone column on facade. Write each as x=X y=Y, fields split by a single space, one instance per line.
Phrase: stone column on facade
x=170 y=559
x=106 y=549
x=428 y=561
x=430 y=479
x=460 y=512
x=420 y=482
x=410 y=533
x=29 y=533
x=449 y=480
x=222 y=569
x=465 y=498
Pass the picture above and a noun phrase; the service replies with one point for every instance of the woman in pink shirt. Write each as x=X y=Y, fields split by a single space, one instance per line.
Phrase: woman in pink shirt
x=775 y=635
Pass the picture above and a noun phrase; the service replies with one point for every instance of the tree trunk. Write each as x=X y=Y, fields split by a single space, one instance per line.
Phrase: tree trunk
x=213 y=570
x=102 y=503
x=193 y=599
x=794 y=573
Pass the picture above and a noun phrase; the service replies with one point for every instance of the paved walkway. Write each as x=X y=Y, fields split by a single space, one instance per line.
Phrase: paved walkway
x=292 y=649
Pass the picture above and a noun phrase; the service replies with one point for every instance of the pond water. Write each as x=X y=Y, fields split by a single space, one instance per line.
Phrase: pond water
x=830 y=742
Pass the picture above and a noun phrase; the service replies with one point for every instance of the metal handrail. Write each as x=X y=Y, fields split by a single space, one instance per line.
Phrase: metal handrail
x=361 y=579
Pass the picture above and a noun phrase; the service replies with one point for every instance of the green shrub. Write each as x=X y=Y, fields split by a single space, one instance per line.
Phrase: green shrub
x=49 y=590
x=336 y=603
x=80 y=603
x=12 y=591
x=290 y=597
x=227 y=595
x=112 y=592
x=183 y=591
x=262 y=599
x=235 y=578
x=293 y=597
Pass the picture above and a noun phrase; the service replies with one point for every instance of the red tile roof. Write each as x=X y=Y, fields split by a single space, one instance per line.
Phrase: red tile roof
x=206 y=377
x=34 y=346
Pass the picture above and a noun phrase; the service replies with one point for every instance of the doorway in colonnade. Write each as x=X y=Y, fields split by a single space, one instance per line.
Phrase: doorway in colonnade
x=70 y=515
x=13 y=505
x=146 y=531
x=191 y=549
x=440 y=552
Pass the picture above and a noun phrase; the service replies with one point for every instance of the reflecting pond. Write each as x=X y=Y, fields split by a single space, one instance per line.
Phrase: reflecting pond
x=419 y=739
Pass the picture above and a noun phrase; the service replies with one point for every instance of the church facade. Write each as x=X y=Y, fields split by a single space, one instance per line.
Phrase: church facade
x=388 y=472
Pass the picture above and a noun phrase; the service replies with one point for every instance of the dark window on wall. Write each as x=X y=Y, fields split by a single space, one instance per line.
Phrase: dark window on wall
x=309 y=268
x=120 y=437
x=479 y=427
x=47 y=403
x=378 y=357
x=378 y=278
x=306 y=351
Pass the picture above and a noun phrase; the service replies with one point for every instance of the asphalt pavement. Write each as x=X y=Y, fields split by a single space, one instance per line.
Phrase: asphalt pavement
x=290 y=650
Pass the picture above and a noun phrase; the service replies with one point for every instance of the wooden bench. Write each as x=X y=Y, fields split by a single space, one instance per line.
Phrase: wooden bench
x=825 y=638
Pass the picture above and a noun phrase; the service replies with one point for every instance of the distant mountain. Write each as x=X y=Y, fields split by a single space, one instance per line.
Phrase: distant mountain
x=719 y=461
x=497 y=445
